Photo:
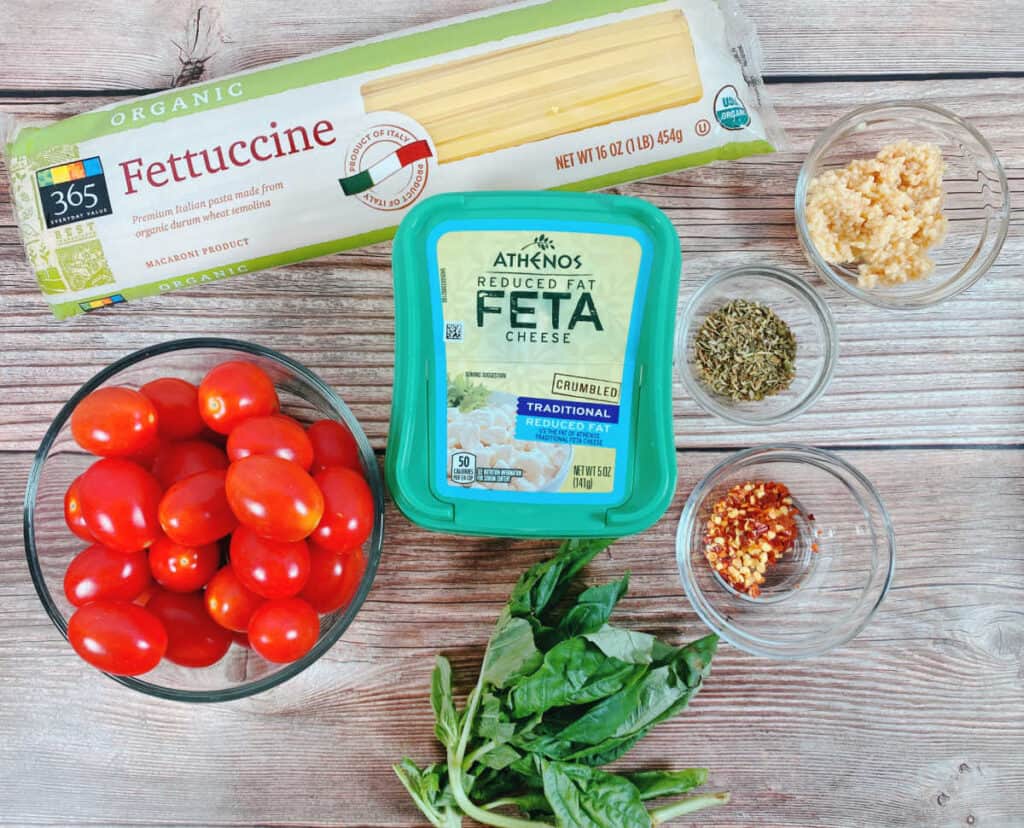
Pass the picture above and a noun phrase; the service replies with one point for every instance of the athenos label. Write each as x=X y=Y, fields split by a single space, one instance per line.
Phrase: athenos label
x=535 y=345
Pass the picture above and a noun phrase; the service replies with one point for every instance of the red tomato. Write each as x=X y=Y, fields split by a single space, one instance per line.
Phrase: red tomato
x=118 y=637
x=176 y=461
x=241 y=639
x=273 y=569
x=333 y=578
x=183 y=568
x=147 y=457
x=234 y=391
x=193 y=638
x=97 y=572
x=120 y=501
x=177 y=407
x=228 y=602
x=195 y=511
x=73 y=515
x=275 y=498
x=333 y=445
x=114 y=422
x=349 y=510
x=275 y=435
x=284 y=630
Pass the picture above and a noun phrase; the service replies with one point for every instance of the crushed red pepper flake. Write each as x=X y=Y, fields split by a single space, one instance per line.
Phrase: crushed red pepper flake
x=748 y=531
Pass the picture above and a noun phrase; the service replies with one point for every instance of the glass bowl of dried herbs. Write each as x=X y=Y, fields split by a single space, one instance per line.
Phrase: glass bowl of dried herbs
x=756 y=345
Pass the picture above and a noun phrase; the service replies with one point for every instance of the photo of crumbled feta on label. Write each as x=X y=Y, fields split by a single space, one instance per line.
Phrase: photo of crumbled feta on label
x=488 y=433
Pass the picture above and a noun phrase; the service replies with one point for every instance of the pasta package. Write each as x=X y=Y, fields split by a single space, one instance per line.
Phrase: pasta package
x=327 y=152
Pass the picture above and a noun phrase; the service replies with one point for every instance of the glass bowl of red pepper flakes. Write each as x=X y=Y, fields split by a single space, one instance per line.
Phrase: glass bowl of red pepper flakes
x=785 y=551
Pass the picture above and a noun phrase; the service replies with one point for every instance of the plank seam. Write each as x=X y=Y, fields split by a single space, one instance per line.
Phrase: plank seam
x=855 y=77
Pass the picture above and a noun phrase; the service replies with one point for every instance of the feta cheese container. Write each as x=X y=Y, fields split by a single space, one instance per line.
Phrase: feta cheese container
x=533 y=364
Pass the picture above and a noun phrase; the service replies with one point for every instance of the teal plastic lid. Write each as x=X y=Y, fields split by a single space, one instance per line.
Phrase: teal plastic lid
x=533 y=364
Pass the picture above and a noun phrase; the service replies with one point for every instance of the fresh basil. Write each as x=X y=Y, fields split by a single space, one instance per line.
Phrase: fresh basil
x=446 y=720
x=593 y=608
x=560 y=693
x=657 y=784
x=585 y=797
x=573 y=672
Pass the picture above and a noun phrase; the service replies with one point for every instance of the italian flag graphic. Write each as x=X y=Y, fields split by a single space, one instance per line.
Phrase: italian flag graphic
x=385 y=168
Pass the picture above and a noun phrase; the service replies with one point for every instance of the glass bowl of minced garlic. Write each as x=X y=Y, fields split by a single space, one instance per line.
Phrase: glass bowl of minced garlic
x=902 y=204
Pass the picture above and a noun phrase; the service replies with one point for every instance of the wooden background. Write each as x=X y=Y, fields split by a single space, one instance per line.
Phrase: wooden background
x=919 y=722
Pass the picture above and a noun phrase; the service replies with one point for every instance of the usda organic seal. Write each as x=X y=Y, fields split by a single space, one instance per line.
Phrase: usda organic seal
x=729 y=109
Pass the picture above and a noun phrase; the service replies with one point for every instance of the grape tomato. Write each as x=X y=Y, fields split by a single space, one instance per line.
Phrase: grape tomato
x=275 y=435
x=334 y=578
x=284 y=630
x=333 y=445
x=97 y=572
x=147 y=457
x=228 y=602
x=233 y=391
x=176 y=461
x=273 y=569
x=177 y=407
x=193 y=638
x=114 y=422
x=118 y=637
x=275 y=498
x=74 y=517
x=349 y=510
x=120 y=501
x=183 y=568
x=195 y=511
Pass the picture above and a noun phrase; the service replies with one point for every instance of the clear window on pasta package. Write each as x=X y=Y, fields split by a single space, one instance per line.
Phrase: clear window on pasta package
x=328 y=152
x=544 y=322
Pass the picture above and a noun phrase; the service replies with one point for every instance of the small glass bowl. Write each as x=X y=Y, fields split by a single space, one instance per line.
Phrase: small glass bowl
x=50 y=546
x=799 y=306
x=977 y=202
x=812 y=600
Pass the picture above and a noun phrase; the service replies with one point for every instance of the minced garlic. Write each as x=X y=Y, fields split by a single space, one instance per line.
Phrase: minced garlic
x=882 y=213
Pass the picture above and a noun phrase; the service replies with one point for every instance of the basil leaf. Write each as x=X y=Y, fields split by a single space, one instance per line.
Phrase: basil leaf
x=510 y=652
x=582 y=797
x=446 y=720
x=493 y=724
x=660 y=694
x=605 y=752
x=573 y=672
x=609 y=728
x=593 y=608
x=545 y=582
x=656 y=784
x=429 y=790
x=499 y=757
x=519 y=777
x=628 y=645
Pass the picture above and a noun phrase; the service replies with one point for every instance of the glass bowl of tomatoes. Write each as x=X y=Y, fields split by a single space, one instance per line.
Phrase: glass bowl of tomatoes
x=203 y=519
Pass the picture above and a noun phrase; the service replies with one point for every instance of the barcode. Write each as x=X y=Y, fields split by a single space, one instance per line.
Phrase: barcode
x=454 y=331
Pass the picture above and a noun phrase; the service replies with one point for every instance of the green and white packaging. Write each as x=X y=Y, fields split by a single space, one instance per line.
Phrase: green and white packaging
x=293 y=161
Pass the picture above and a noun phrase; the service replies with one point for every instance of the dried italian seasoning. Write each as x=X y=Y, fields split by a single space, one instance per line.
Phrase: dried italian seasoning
x=745 y=351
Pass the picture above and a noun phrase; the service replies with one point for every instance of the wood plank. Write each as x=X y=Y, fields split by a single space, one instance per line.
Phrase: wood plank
x=148 y=45
x=918 y=722
x=335 y=314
